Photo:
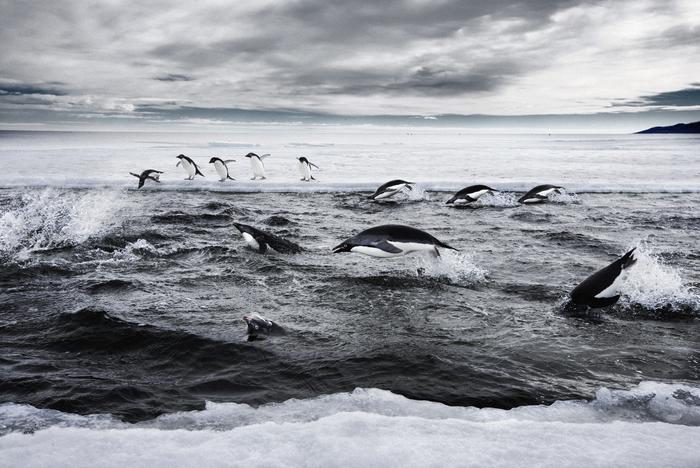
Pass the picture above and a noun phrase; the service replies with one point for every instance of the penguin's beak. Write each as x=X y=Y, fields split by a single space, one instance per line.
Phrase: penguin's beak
x=341 y=248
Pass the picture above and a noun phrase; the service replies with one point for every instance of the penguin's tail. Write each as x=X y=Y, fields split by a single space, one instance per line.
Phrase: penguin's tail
x=229 y=177
x=197 y=171
x=313 y=178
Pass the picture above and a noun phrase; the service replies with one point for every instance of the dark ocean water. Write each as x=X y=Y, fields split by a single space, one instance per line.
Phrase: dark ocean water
x=131 y=303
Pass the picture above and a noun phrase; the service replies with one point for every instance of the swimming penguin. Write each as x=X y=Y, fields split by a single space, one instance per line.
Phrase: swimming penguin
x=390 y=189
x=539 y=193
x=222 y=168
x=391 y=240
x=259 y=240
x=601 y=288
x=469 y=194
x=257 y=165
x=258 y=325
x=147 y=174
x=305 y=169
x=190 y=166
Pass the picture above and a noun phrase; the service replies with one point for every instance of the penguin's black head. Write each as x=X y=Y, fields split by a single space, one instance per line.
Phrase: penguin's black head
x=180 y=156
x=250 y=155
x=303 y=159
x=344 y=247
x=213 y=160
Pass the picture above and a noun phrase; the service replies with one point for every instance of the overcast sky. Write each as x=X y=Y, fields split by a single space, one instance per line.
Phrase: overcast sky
x=207 y=60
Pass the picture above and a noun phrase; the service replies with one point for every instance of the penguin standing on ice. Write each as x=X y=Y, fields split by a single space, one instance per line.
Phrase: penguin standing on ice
x=257 y=165
x=390 y=189
x=601 y=289
x=391 y=240
x=189 y=166
x=469 y=194
x=151 y=174
x=222 y=168
x=305 y=169
x=539 y=193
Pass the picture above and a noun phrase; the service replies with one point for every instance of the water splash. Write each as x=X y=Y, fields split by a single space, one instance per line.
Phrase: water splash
x=417 y=194
x=565 y=197
x=457 y=267
x=497 y=200
x=54 y=218
x=653 y=285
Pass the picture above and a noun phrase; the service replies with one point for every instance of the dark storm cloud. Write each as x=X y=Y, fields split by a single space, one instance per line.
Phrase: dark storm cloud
x=29 y=89
x=680 y=98
x=174 y=77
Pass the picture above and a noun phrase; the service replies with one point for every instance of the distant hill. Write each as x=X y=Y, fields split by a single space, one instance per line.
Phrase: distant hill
x=693 y=127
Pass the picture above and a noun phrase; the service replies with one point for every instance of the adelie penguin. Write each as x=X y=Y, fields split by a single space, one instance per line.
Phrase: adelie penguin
x=539 y=194
x=469 y=194
x=258 y=326
x=189 y=166
x=305 y=169
x=391 y=240
x=601 y=289
x=259 y=240
x=257 y=165
x=151 y=174
x=222 y=168
x=390 y=189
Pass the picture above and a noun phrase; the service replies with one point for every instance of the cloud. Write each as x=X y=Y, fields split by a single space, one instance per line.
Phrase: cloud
x=9 y=89
x=681 y=98
x=174 y=77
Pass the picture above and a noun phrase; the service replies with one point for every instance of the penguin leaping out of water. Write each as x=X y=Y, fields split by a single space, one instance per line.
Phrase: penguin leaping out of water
x=601 y=289
x=305 y=169
x=222 y=168
x=257 y=165
x=151 y=174
x=189 y=166
x=539 y=193
x=259 y=240
x=391 y=240
x=469 y=194
x=390 y=189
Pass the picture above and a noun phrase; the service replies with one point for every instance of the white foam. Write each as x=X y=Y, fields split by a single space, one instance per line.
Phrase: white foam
x=654 y=285
x=54 y=218
x=498 y=199
x=457 y=267
x=653 y=424
x=564 y=196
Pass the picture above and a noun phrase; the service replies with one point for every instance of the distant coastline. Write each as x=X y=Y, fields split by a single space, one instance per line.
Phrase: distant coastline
x=693 y=127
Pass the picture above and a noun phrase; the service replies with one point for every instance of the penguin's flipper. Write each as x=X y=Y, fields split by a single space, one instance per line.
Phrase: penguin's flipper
x=603 y=301
x=387 y=247
x=262 y=245
x=135 y=175
x=314 y=165
x=154 y=179
x=263 y=156
x=178 y=163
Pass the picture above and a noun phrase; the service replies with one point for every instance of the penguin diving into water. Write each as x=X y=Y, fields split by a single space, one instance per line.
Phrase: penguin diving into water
x=469 y=194
x=390 y=189
x=391 y=240
x=258 y=325
x=601 y=289
x=539 y=193
x=151 y=174
x=189 y=166
x=257 y=165
x=260 y=241
x=305 y=169
x=222 y=168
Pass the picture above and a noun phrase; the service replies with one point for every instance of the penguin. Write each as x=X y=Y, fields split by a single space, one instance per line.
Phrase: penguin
x=305 y=169
x=259 y=240
x=390 y=189
x=258 y=325
x=601 y=288
x=539 y=193
x=147 y=174
x=469 y=194
x=222 y=168
x=190 y=166
x=391 y=240
x=257 y=165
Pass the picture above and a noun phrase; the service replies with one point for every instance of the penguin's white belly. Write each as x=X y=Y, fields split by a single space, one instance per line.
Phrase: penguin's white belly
x=305 y=171
x=188 y=167
x=532 y=200
x=250 y=240
x=390 y=191
x=476 y=195
x=409 y=247
x=612 y=290
x=221 y=170
x=375 y=252
x=257 y=167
